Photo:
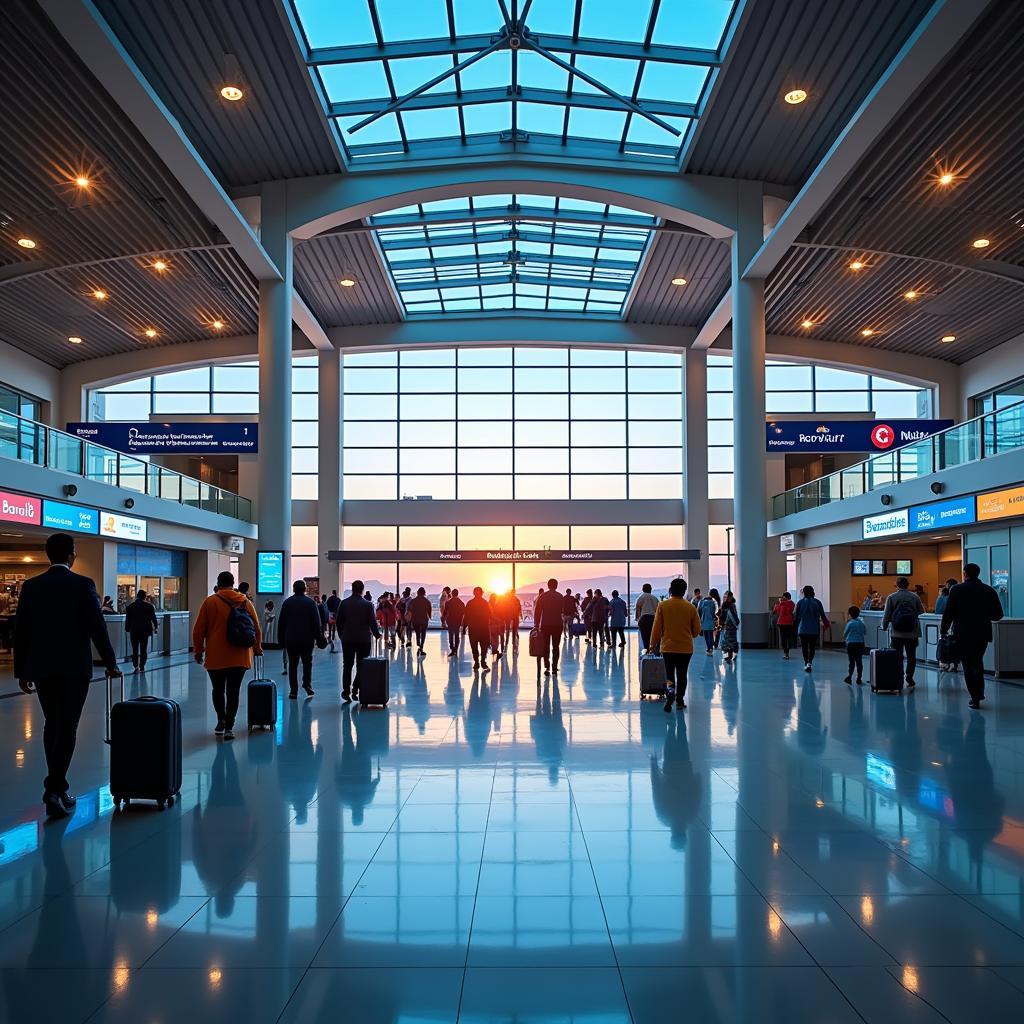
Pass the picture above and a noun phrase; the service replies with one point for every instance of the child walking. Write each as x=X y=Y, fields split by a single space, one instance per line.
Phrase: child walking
x=855 y=636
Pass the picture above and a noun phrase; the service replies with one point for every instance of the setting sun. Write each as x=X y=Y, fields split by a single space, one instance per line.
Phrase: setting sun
x=500 y=584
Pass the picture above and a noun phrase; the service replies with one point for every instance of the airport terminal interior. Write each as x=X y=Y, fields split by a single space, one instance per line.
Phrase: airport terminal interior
x=450 y=294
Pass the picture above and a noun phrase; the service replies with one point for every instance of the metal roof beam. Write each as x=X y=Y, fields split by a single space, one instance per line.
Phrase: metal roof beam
x=89 y=35
x=446 y=47
x=514 y=213
x=525 y=258
x=533 y=279
x=517 y=234
x=935 y=38
x=504 y=94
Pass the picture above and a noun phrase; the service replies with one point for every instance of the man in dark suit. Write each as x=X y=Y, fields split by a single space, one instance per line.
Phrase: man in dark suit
x=357 y=622
x=971 y=609
x=140 y=625
x=299 y=628
x=59 y=666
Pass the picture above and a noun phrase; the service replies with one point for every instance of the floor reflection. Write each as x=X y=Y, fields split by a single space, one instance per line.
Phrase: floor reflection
x=509 y=846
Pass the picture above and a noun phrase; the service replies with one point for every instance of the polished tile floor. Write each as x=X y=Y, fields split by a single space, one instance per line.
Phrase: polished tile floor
x=788 y=849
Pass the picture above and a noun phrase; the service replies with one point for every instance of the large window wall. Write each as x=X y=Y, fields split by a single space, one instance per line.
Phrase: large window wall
x=227 y=389
x=798 y=388
x=513 y=423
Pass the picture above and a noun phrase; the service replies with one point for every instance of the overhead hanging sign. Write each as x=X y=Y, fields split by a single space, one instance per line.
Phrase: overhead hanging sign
x=172 y=438
x=1001 y=504
x=937 y=515
x=20 y=508
x=546 y=555
x=269 y=572
x=847 y=435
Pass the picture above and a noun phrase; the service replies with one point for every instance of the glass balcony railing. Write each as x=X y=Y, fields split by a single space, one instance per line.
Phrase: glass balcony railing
x=981 y=438
x=28 y=441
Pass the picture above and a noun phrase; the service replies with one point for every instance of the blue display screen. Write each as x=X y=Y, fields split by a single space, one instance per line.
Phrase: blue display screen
x=58 y=515
x=937 y=515
x=270 y=572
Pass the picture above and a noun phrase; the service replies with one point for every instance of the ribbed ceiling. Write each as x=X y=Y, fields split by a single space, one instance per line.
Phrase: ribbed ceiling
x=276 y=130
x=835 y=50
x=322 y=262
x=702 y=261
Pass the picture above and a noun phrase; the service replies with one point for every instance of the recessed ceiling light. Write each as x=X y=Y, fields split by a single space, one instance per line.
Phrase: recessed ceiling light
x=99 y=294
x=947 y=338
x=26 y=558
x=217 y=325
x=75 y=339
x=149 y=332
x=159 y=266
x=347 y=282
x=82 y=181
x=795 y=96
x=910 y=295
x=807 y=323
x=856 y=265
x=981 y=243
x=232 y=92
x=867 y=332
x=946 y=178
x=679 y=281
x=26 y=243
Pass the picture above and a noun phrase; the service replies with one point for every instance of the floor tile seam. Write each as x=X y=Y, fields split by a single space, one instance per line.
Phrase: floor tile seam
x=1014 y=930
x=600 y=900
x=924 y=871
x=203 y=904
x=1013 y=985
x=753 y=884
x=898 y=978
x=476 y=892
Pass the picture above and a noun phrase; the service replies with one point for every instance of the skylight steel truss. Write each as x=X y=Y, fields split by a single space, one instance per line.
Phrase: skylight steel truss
x=553 y=94
x=478 y=255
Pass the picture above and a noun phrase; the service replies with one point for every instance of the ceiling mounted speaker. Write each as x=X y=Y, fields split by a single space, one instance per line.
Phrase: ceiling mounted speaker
x=70 y=490
x=937 y=488
x=886 y=499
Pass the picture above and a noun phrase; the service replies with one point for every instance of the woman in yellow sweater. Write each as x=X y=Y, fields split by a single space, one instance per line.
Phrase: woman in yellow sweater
x=676 y=623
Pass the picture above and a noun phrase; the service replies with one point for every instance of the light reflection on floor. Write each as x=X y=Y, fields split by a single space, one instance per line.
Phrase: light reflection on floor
x=788 y=849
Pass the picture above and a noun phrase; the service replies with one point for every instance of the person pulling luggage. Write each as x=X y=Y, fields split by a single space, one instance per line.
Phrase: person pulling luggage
x=676 y=624
x=300 y=628
x=357 y=626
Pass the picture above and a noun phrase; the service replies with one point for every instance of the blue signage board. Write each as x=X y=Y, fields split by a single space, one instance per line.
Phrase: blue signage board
x=172 y=438
x=58 y=515
x=937 y=515
x=825 y=435
x=269 y=572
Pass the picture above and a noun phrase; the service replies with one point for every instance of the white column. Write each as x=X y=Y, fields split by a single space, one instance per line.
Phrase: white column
x=748 y=356
x=274 y=501
x=695 y=452
x=329 y=467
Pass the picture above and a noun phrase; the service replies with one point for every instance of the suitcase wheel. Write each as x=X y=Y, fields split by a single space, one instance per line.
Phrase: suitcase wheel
x=161 y=804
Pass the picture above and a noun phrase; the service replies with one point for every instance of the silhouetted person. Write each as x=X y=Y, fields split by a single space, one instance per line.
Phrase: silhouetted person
x=478 y=621
x=140 y=625
x=547 y=617
x=646 y=606
x=58 y=620
x=970 y=611
x=357 y=625
x=675 y=786
x=300 y=628
x=454 y=613
x=420 y=609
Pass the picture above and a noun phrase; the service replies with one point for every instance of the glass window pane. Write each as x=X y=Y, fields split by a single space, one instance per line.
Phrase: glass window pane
x=123 y=407
x=603 y=381
x=304 y=460
x=370 y=460
x=787 y=378
x=475 y=434
x=656 y=407
x=720 y=460
x=370 y=488
x=659 y=485
x=236 y=378
x=195 y=379
x=553 y=487
x=897 y=404
x=542 y=357
x=358 y=433
x=370 y=359
x=436 y=487
x=544 y=380
x=599 y=460
x=304 y=540
x=654 y=537
x=305 y=380
x=370 y=381
x=595 y=433
x=720 y=406
x=426 y=407
x=790 y=401
x=542 y=407
x=651 y=433
x=427 y=381
x=426 y=538
x=541 y=433
x=176 y=404
x=597 y=407
x=598 y=486
x=427 y=357
x=719 y=485
x=370 y=407
x=429 y=434
x=599 y=538
x=369 y=538
x=828 y=378
x=655 y=380
x=485 y=357
x=236 y=404
x=720 y=432
x=491 y=487
x=485 y=460
x=307 y=408
x=485 y=407
x=842 y=401
x=497 y=379
x=304 y=486
x=427 y=460
x=483 y=538
x=719 y=377
x=597 y=357
x=542 y=460
x=540 y=537
x=656 y=460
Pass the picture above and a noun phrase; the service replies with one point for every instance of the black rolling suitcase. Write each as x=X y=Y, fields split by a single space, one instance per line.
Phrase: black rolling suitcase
x=886 y=670
x=373 y=679
x=260 y=698
x=145 y=749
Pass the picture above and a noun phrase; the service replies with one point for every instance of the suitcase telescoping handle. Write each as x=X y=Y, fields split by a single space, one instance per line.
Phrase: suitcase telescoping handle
x=106 y=731
x=257 y=666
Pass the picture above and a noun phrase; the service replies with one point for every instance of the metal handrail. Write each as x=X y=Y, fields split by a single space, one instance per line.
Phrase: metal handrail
x=970 y=441
x=52 y=448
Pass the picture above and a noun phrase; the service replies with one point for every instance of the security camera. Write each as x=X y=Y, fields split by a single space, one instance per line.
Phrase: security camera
x=937 y=488
x=129 y=503
x=886 y=499
x=70 y=490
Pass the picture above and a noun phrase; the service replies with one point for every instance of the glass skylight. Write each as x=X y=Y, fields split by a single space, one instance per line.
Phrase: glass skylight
x=597 y=78
x=513 y=252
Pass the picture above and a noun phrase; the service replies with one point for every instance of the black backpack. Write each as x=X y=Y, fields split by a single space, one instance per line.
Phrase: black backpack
x=241 y=628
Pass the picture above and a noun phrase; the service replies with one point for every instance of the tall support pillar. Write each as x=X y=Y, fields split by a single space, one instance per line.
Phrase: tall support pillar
x=274 y=498
x=695 y=452
x=748 y=375
x=330 y=469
